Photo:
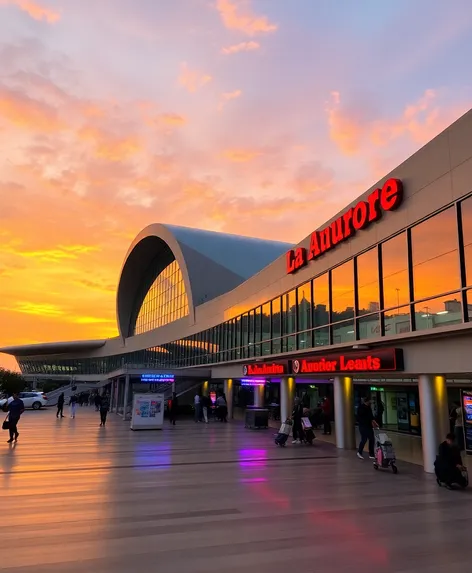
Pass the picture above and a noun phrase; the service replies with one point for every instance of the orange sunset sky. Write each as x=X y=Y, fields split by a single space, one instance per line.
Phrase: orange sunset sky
x=257 y=117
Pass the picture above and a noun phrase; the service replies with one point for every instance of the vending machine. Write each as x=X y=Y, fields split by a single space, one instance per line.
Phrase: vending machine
x=466 y=399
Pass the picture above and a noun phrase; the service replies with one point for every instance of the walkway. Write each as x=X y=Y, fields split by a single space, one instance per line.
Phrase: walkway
x=77 y=498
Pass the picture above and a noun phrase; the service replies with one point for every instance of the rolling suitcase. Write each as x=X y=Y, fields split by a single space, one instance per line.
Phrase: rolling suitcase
x=284 y=432
x=281 y=439
x=308 y=430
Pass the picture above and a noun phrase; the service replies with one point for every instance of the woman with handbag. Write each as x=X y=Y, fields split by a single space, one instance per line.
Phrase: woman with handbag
x=15 y=409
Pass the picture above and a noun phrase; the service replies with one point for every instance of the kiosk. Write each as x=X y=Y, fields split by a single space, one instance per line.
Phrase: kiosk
x=148 y=412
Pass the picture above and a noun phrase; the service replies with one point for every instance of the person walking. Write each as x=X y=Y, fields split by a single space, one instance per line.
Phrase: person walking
x=174 y=406
x=297 y=415
x=206 y=403
x=365 y=419
x=60 y=406
x=104 y=407
x=326 y=408
x=222 y=408
x=198 y=407
x=97 y=400
x=15 y=409
x=73 y=405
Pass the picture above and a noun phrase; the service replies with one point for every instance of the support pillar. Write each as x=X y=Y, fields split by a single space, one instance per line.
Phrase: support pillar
x=434 y=416
x=228 y=390
x=125 y=396
x=344 y=412
x=112 y=395
x=287 y=395
x=259 y=395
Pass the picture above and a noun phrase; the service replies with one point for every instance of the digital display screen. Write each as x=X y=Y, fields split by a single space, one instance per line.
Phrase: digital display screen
x=157 y=378
x=252 y=382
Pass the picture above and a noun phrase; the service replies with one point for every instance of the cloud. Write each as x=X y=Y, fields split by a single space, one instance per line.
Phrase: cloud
x=228 y=96
x=192 y=80
x=240 y=155
x=239 y=16
x=34 y=10
x=354 y=129
x=56 y=255
x=242 y=47
x=24 y=112
x=93 y=320
x=37 y=309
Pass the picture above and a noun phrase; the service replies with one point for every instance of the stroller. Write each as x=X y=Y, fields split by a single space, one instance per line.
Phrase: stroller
x=384 y=453
x=284 y=432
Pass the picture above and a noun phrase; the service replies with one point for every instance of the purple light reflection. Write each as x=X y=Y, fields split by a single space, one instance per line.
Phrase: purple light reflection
x=254 y=480
x=253 y=458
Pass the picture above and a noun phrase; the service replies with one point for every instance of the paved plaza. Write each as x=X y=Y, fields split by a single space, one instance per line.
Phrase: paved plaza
x=217 y=498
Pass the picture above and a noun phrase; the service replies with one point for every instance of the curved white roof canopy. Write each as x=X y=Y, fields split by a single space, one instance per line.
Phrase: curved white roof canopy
x=211 y=264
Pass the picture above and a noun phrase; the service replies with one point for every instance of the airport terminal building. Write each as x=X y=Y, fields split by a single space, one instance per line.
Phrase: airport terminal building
x=378 y=299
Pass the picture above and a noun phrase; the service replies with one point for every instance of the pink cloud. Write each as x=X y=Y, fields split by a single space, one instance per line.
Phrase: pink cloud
x=192 y=80
x=228 y=96
x=239 y=16
x=34 y=10
x=242 y=47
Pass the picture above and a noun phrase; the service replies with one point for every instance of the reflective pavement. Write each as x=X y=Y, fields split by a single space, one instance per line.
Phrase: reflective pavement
x=217 y=498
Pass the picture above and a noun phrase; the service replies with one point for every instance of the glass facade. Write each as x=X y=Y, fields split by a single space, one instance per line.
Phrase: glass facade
x=164 y=302
x=417 y=280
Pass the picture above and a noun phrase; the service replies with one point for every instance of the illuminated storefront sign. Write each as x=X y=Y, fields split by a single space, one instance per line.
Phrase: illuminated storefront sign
x=264 y=369
x=252 y=382
x=381 y=360
x=354 y=219
x=157 y=378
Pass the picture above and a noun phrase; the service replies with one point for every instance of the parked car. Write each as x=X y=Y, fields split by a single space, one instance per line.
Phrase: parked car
x=35 y=400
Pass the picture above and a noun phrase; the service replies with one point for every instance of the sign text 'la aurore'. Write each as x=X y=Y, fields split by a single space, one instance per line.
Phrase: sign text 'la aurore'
x=354 y=219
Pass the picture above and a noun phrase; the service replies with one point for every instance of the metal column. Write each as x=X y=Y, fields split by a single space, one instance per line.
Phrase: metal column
x=287 y=395
x=228 y=390
x=259 y=395
x=434 y=416
x=125 y=397
x=344 y=412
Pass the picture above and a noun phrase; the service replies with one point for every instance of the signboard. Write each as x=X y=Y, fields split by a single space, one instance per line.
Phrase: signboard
x=274 y=368
x=148 y=412
x=467 y=407
x=252 y=382
x=380 y=360
x=157 y=378
x=354 y=219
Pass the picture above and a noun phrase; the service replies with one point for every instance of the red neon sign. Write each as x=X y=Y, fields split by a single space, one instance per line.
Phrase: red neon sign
x=354 y=219
x=385 y=359
x=264 y=369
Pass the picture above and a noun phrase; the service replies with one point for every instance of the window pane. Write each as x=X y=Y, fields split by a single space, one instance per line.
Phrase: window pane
x=245 y=329
x=321 y=296
x=395 y=272
x=467 y=237
x=276 y=318
x=257 y=325
x=342 y=285
x=435 y=255
x=266 y=321
x=343 y=332
x=369 y=326
x=304 y=307
x=397 y=321
x=368 y=282
x=437 y=312
x=289 y=312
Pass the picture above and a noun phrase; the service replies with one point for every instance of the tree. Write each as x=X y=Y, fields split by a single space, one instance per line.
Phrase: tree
x=11 y=382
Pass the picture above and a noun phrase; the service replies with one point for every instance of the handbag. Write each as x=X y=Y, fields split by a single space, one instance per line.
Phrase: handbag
x=6 y=423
